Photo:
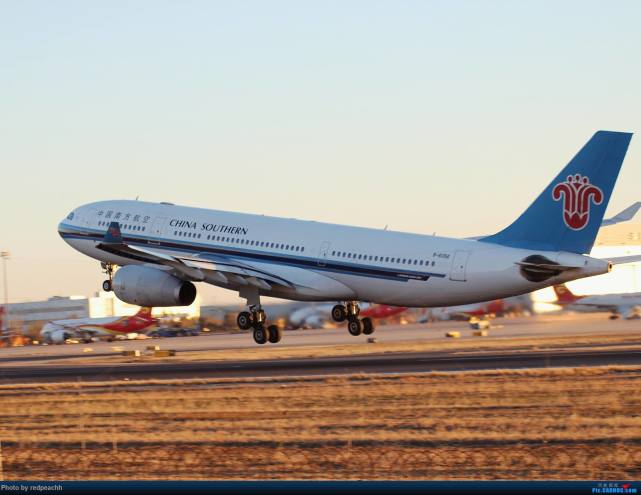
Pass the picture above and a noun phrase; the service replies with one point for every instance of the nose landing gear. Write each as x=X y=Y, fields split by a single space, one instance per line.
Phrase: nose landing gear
x=107 y=268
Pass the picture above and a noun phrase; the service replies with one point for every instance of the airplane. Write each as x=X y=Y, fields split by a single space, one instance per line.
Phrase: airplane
x=379 y=311
x=465 y=312
x=626 y=305
x=162 y=249
x=57 y=332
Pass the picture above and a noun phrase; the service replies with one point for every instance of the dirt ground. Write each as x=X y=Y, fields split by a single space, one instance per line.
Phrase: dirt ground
x=533 y=424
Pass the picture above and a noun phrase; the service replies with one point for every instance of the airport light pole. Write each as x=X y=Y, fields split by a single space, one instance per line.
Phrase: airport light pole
x=5 y=321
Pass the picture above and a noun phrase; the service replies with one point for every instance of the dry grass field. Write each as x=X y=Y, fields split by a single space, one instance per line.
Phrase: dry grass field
x=535 y=424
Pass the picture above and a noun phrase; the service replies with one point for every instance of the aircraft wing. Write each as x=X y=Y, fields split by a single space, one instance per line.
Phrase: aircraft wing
x=196 y=267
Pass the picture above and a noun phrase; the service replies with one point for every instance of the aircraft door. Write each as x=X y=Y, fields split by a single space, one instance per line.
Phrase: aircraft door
x=322 y=254
x=158 y=226
x=459 y=266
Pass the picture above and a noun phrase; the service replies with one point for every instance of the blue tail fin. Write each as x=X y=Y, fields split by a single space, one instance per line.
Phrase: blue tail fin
x=568 y=213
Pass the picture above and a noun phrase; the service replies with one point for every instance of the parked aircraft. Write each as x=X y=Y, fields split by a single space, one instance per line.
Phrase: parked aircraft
x=380 y=311
x=57 y=332
x=468 y=311
x=164 y=248
x=315 y=316
x=626 y=305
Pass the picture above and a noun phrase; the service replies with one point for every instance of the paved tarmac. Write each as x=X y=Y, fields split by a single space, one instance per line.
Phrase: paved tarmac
x=53 y=363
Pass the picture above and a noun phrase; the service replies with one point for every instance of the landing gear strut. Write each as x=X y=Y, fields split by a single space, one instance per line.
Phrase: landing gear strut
x=107 y=268
x=255 y=318
x=349 y=312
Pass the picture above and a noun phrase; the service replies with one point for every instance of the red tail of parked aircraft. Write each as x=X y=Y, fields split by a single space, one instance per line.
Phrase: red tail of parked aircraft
x=565 y=295
x=382 y=311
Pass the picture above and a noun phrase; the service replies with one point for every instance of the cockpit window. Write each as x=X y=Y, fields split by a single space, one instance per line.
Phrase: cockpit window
x=70 y=216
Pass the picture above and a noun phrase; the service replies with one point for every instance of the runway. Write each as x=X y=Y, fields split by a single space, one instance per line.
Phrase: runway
x=101 y=361
x=401 y=363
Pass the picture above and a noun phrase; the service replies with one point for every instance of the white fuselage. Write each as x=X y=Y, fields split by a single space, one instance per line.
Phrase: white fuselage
x=324 y=262
x=624 y=304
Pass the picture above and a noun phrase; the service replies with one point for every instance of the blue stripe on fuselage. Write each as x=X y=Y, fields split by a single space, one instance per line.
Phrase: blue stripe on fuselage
x=69 y=231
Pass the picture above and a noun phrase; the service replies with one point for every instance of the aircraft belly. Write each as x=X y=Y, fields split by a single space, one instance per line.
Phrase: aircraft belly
x=88 y=247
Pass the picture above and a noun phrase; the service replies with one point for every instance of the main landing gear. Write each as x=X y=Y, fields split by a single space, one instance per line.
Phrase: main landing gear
x=349 y=312
x=255 y=318
x=107 y=268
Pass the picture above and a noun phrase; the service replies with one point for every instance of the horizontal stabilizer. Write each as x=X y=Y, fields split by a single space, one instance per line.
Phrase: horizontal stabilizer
x=624 y=259
x=624 y=216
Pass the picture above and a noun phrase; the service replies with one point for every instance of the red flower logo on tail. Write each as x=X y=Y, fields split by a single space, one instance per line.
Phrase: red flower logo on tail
x=578 y=194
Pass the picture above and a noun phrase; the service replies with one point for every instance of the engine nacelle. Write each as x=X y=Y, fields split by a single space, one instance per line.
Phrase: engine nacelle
x=145 y=286
x=58 y=337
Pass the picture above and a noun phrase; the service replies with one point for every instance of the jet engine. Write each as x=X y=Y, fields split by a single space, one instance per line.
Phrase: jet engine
x=58 y=337
x=145 y=286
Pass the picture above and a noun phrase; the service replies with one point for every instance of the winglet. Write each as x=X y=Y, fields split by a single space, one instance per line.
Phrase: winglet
x=113 y=236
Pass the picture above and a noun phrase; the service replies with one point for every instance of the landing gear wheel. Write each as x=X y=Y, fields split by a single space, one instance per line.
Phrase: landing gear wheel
x=354 y=327
x=368 y=326
x=339 y=313
x=275 y=334
x=244 y=320
x=261 y=335
x=106 y=286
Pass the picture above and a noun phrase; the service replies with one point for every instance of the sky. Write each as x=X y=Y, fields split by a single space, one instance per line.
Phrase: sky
x=430 y=117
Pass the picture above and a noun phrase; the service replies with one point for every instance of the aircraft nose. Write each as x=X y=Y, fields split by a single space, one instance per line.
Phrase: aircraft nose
x=61 y=225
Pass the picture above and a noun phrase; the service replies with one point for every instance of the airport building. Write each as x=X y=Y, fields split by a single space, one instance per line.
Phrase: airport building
x=22 y=315
x=54 y=308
